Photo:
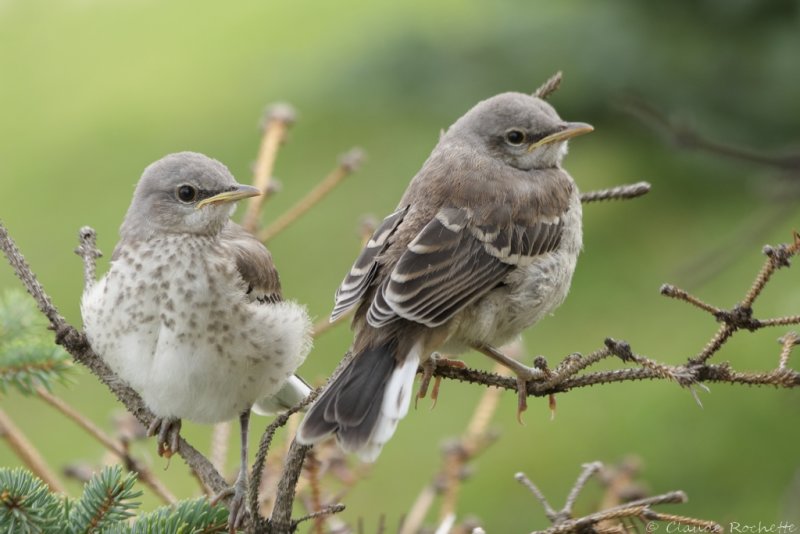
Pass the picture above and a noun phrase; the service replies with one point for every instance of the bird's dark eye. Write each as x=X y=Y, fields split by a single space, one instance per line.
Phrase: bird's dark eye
x=186 y=193
x=515 y=137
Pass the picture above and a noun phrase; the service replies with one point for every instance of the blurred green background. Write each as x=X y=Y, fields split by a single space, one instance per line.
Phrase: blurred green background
x=93 y=91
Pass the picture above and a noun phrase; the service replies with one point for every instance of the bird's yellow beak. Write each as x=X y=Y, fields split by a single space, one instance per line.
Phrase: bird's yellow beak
x=573 y=129
x=238 y=193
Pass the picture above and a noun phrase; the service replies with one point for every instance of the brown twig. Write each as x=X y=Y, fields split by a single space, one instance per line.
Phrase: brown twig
x=312 y=468
x=263 y=449
x=348 y=164
x=277 y=120
x=145 y=475
x=563 y=523
x=549 y=87
x=621 y=192
x=323 y=325
x=220 y=440
x=788 y=342
x=28 y=453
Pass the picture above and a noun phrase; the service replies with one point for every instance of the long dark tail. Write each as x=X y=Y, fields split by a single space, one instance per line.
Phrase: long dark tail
x=363 y=405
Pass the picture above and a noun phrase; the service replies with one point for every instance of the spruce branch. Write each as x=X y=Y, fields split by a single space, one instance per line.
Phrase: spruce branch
x=26 y=503
x=197 y=516
x=107 y=498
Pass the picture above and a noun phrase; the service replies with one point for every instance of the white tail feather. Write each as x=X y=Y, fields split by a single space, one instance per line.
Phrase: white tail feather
x=394 y=406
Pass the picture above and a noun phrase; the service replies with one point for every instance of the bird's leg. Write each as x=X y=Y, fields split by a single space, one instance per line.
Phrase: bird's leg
x=523 y=372
x=237 y=510
x=168 y=430
x=428 y=367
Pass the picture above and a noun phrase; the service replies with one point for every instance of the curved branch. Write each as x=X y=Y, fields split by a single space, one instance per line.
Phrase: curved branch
x=75 y=342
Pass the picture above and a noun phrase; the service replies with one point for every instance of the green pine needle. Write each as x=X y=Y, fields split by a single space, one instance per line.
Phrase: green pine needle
x=106 y=501
x=28 y=356
x=26 y=504
x=196 y=516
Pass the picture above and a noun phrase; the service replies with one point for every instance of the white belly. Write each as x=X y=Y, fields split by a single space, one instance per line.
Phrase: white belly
x=181 y=332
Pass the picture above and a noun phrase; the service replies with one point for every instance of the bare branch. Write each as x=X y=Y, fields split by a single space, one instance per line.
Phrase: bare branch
x=621 y=192
x=348 y=164
x=145 y=475
x=549 y=87
x=563 y=522
x=77 y=345
x=261 y=457
x=788 y=342
x=549 y=511
x=277 y=121
x=28 y=453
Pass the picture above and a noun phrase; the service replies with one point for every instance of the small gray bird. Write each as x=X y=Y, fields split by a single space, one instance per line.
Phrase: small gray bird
x=482 y=245
x=190 y=313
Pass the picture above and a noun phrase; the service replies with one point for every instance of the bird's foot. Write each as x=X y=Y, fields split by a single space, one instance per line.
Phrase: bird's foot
x=168 y=430
x=523 y=374
x=237 y=509
x=428 y=367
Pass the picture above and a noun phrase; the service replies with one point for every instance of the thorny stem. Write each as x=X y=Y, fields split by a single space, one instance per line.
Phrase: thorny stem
x=281 y=518
x=32 y=285
x=278 y=119
x=549 y=87
x=263 y=448
x=676 y=293
x=551 y=514
x=588 y=470
x=715 y=343
x=321 y=513
x=77 y=345
x=622 y=192
x=641 y=508
x=348 y=164
x=788 y=342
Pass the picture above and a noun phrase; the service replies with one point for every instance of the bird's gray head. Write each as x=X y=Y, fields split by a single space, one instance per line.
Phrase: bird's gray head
x=185 y=192
x=522 y=130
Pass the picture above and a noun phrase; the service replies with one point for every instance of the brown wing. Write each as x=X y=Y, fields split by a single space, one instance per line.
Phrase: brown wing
x=455 y=260
x=254 y=263
x=361 y=274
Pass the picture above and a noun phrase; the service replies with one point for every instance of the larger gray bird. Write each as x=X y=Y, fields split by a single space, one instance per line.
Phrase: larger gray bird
x=482 y=245
x=190 y=313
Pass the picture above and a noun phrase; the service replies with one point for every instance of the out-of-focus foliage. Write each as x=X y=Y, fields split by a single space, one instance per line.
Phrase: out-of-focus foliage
x=93 y=91
x=27 y=506
x=28 y=356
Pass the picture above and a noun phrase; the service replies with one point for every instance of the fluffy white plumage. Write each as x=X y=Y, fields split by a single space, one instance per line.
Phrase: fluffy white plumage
x=144 y=317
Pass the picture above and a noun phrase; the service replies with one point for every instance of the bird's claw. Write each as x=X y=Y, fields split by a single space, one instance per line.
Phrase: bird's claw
x=428 y=367
x=522 y=397
x=168 y=430
x=237 y=509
